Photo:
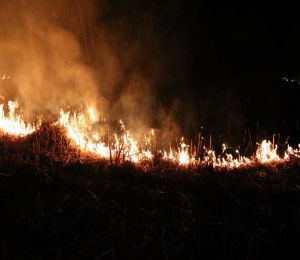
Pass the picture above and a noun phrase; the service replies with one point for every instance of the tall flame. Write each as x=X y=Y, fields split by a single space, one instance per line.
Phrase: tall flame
x=267 y=152
x=184 y=157
x=12 y=123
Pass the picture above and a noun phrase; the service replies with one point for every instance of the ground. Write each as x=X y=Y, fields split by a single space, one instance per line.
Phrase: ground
x=95 y=210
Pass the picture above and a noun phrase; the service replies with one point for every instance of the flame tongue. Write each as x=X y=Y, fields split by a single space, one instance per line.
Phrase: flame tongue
x=126 y=146
x=13 y=124
x=80 y=129
x=266 y=152
x=184 y=158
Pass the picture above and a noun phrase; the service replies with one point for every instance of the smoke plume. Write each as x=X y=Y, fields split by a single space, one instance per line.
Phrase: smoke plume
x=79 y=53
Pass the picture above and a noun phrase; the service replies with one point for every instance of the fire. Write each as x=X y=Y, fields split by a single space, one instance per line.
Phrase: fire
x=92 y=114
x=83 y=130
x=290 y=152
x=184 y=158
x=12 y=123
x=80 y=130
x=267 y=152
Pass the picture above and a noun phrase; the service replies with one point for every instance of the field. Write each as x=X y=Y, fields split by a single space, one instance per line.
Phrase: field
x=149 y=129
x=59 y=204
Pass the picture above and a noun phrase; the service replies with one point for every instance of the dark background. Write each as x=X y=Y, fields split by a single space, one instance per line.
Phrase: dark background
x=221 y=64
x=216 y=65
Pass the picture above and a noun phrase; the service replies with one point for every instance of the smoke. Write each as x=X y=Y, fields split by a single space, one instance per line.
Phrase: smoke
x=44 y=58
x=134 y=63
x=78 y=53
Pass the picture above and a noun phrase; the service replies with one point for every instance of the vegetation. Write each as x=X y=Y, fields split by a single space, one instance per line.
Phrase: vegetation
x=55 y=205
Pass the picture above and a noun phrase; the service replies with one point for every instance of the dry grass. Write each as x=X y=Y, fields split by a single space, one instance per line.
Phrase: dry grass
x=54 y=206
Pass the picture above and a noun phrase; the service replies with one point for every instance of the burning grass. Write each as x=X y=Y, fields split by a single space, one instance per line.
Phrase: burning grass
x=91 y=142
x=53 y=146
x=59 y=201
x=49 y=147
x=12 y=122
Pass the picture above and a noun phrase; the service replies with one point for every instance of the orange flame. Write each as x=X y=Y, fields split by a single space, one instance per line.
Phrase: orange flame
x=266 y=152
x=12 y=123
x=184 y=157
x=80 y=129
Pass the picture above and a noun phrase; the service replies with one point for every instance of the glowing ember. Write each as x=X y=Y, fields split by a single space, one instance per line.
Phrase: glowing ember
x=12 y=123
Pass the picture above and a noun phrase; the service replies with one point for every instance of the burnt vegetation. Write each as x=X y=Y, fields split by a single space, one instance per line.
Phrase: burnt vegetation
x=57 y=203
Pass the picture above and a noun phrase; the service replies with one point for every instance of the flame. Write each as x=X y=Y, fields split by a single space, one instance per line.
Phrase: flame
x=78 y=129
x=168 y=156
x=12 y=123
x=184 y=158
x=81 y=128
x=267 y=152
x=291 y=152
x=126 y=146
x=92 y=114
